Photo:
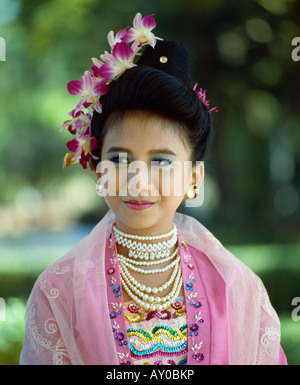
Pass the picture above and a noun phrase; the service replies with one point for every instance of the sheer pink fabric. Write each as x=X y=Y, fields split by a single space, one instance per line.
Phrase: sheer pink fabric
x=68 y=322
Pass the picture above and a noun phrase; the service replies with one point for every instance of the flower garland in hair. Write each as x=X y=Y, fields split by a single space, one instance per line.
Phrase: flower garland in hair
x=95 y=84
x=125 y=46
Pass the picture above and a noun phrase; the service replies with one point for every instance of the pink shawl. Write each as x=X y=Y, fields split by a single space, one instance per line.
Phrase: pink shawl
x=74 y=313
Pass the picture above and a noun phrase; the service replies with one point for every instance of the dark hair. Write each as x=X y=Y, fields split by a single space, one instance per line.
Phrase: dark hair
x=149 y=89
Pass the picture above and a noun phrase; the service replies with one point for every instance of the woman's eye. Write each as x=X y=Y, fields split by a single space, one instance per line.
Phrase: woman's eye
x=161 y=162
x=119 y=160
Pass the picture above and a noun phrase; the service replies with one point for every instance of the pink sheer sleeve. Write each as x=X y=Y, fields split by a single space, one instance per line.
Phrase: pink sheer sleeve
x=43 y=343
x=49 y=339
x=269 y=332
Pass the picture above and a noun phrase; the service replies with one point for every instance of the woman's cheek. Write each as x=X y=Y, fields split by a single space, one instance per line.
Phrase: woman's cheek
x=175 y=179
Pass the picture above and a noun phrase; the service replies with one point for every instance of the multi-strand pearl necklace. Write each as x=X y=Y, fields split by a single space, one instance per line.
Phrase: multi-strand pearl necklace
x=146 y=250
x=149 y=254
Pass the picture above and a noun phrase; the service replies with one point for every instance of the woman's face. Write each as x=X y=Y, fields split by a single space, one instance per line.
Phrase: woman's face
x=147 y=161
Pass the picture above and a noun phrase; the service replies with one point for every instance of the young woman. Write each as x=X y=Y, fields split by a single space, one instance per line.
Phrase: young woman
x=148 y=285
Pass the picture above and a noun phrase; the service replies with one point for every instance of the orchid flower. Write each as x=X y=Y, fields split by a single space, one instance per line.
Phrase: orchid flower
x=141 y=31
x=116 y=63
x=69 y=160
x=120 y=36
x=82 y=147
x=79 y=121
x=88 y=90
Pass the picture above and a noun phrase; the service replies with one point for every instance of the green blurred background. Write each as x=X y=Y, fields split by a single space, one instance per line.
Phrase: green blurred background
x=240 y=51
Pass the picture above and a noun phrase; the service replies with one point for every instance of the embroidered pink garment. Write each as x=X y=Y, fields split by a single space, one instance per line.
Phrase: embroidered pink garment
x=75 y=314
x=157 y=337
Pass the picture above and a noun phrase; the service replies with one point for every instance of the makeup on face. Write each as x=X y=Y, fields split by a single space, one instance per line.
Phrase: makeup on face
x=138 y=205
x=118 y=155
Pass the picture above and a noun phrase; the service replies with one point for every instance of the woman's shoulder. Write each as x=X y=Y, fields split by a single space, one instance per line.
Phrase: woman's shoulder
x=59 y=277
x=81 y=256
x=209 y=248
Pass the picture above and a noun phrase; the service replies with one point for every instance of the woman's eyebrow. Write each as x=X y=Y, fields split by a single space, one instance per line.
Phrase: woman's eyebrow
x=158 y=151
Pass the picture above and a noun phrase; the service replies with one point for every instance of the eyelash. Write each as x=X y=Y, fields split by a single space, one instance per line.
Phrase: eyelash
x=116 y=158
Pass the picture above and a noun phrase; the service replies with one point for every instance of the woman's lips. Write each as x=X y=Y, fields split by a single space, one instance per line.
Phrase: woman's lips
x=138 y=205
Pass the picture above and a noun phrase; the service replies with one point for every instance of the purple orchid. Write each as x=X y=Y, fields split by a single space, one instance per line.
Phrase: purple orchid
x=116 y=63
x=121 y=36
x=82 y=147
x=141 y=31
x=79 y=121
x=88 y=90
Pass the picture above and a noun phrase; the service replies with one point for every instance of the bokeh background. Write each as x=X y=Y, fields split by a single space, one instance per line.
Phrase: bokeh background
x=240 y=51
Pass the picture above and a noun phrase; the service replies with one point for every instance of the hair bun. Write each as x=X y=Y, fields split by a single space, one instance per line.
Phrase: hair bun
x=168 y=56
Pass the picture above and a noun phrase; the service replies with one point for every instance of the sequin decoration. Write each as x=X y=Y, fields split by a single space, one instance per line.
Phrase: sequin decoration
x=161 y=340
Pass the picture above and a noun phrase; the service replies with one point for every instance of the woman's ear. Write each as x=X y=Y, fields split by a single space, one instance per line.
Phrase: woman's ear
x=197 y=174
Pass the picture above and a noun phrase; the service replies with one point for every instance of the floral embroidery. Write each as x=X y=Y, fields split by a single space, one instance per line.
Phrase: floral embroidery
x=193 y=300
x=116 y=308
x=42 y=281
x=177 y=305
x=189 y=286
x=55 y=346
x=133 y=307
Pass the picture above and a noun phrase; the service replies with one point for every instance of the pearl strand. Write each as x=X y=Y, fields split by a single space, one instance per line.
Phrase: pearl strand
x=139 y=288
x=148 y=251
x=149 y=263
x=145 y=237
x=143 y=271
x=156 y=305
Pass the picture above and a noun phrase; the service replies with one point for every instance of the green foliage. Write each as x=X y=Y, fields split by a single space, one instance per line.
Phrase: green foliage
x=12 y=332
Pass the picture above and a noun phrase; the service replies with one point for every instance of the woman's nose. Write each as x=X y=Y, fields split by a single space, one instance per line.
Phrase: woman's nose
x=140 y=180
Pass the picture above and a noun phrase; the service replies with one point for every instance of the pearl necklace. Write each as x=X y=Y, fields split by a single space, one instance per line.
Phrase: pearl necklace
x=146 y=251
x=145 y=237
x=158 y=253
x=154 y=303
x=148 y=263
x=136 y=286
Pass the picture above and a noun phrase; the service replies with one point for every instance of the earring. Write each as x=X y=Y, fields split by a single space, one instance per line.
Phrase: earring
x=192 y=193
x=99 y=188
x=189 y=194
